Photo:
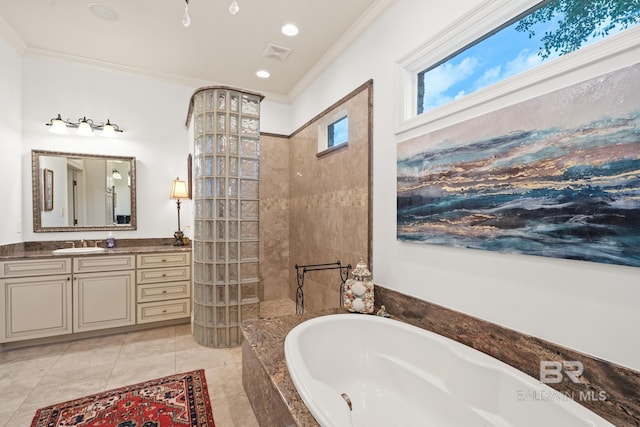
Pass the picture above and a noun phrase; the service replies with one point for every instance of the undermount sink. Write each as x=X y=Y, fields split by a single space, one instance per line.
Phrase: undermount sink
x=78 y=251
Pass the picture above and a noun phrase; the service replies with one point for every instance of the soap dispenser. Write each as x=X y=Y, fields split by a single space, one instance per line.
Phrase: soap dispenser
x=111 y=241
x=358 y=291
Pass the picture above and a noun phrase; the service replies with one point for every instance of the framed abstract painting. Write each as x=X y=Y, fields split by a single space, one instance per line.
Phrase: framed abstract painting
x=557 y=175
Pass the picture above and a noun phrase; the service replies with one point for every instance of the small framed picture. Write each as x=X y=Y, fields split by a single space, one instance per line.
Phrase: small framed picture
x=48 y=189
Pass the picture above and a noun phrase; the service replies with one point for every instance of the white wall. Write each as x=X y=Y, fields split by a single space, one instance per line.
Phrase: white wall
x=10 y=144
x=589 y=307
x=152 y=113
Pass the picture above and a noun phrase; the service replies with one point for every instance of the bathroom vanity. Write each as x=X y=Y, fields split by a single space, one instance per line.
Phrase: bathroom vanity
x=67 y=296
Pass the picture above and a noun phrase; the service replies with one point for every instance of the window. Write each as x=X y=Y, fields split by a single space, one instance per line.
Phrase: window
x=338 y=132
x=333 y=132
x=547 y=31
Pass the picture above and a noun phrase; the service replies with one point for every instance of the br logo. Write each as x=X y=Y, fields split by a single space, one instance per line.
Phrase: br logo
x=552 y=372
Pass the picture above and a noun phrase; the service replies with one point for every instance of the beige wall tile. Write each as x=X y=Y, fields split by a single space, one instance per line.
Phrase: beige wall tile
x=318 y=213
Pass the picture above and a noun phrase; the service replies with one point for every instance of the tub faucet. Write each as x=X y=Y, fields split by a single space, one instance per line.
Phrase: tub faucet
x=347 y=399
x=382 y=312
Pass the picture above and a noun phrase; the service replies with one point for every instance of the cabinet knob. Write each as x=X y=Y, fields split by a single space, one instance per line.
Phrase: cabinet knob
x=164 y=311
x=164 y=292
x=164 y=274
x=164 y=260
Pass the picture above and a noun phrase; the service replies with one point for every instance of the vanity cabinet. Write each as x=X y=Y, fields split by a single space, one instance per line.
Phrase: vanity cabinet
x=103 y=292
x=36 y=298
x=163 y=286
x=66 y=295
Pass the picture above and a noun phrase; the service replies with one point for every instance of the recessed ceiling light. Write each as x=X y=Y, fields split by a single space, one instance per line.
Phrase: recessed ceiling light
x=263 y=74
x=289 y=30
x=102 y=12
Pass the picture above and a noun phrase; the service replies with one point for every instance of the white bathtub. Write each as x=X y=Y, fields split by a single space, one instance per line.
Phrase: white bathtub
x=396 y=374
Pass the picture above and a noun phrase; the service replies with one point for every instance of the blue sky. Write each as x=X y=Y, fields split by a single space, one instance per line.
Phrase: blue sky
x=506 y=53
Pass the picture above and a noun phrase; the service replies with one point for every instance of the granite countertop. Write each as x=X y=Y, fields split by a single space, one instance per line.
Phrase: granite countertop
x=34 y=250
x=266 y=338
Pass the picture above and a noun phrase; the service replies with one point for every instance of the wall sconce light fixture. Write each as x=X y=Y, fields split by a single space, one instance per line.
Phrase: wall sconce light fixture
x=179 y=191
x=83 y=126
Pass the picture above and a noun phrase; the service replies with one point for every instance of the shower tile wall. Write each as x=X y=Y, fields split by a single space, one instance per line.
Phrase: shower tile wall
x=329 y=202
x=274 y=217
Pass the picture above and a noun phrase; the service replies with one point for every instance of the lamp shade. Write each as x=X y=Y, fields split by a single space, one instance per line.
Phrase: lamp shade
x=58 y=125
x=179 y=189
x=84 y=127
x=108 y=130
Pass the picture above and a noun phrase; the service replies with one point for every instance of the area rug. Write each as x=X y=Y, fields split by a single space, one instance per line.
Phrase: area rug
x=176 y=400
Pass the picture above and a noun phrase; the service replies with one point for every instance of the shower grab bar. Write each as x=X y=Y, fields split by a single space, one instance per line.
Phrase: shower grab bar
x=302 y=269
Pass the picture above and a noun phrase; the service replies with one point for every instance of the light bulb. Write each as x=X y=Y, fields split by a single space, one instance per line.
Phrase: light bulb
x=186 y=19
x=234 y=7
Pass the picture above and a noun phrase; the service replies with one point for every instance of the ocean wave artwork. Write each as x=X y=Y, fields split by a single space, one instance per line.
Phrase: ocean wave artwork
x=557 y=176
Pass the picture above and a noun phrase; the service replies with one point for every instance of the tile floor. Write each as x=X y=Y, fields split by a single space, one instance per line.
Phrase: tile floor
x=35 y=377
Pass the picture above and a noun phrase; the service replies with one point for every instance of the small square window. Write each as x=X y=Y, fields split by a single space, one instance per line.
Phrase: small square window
x=338 y=132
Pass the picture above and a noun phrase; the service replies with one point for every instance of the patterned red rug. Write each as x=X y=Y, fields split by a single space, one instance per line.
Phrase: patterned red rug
x=176 y=400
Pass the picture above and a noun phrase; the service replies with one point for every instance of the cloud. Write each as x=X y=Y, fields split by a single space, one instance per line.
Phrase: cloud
x=523 y=61
x=439 y=80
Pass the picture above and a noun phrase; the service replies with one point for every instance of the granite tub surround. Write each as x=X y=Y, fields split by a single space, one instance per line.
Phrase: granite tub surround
x=265 y=377
x=123 y=247
x=276 y=402
x=620 y=385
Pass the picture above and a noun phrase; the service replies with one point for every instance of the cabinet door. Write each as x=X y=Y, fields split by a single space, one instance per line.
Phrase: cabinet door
x=35 y=307
x=103 y=300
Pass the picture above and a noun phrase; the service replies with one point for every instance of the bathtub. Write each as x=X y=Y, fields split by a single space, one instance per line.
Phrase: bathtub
x=362 y=370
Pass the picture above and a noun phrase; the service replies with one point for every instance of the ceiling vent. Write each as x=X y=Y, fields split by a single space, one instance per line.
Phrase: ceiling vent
x=275 y=51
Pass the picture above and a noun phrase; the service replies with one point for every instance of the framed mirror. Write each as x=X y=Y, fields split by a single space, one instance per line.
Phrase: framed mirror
x=82 y=192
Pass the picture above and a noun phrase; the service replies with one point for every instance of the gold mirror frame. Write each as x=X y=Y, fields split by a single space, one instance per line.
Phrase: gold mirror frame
x=37 y=202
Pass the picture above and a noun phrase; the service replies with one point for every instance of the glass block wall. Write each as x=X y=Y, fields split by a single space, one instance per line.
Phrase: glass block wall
x=226 y=125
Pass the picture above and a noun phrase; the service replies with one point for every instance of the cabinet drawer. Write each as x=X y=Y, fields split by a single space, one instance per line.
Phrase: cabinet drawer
x=169 y=259
x=163 y=291
x=35 y=267
x=164 y=310
x=160 y=275
x=103 y=263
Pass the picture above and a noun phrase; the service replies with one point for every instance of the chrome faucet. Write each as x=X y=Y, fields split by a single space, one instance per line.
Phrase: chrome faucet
x=84 y=243
x=73 y=244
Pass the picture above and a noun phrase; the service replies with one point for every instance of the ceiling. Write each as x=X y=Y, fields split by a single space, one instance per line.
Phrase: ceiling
x=217 y=48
